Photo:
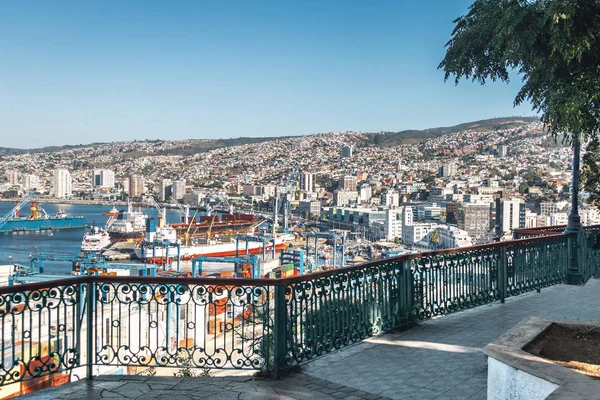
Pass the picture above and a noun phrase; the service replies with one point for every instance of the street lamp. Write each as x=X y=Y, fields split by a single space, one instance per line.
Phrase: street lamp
x=574 y=276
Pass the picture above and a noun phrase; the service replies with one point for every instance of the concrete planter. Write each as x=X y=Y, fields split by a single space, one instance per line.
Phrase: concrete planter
x=516 y=374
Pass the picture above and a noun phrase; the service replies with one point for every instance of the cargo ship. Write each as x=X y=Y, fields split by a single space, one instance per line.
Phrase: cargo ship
x=130 y=224
x=38 y=219
x=155 y=251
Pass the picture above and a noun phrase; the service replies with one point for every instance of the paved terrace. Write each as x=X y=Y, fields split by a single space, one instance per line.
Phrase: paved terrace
x=437 y=359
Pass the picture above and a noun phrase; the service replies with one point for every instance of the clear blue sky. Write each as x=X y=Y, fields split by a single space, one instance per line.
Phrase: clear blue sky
x=82 y=71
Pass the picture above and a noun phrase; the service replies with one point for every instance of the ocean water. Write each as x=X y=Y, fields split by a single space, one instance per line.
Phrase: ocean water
x=63 y=243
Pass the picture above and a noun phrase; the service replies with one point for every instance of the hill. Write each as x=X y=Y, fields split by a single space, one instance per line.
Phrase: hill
x=381 y=139
x=390 y=139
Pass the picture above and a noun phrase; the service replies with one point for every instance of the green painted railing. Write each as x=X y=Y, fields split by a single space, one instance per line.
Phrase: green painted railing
x=90 y=325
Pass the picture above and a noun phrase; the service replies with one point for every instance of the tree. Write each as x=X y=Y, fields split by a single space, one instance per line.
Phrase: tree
x=552 y=44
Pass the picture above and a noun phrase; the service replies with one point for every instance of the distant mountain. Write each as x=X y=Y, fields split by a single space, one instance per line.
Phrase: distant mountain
x=381 y=139
x=390 y=139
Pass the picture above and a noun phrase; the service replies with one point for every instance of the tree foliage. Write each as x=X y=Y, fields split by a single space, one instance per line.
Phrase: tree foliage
x=552 y=44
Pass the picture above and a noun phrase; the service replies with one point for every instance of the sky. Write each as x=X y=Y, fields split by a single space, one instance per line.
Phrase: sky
x=83 y=71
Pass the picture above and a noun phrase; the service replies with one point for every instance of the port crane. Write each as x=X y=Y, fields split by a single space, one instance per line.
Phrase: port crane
x=283 y=200
x=15 y=210
x=162 y=212
x=185 y=210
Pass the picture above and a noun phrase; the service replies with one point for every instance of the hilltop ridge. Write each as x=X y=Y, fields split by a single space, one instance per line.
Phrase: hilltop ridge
x=380 y=139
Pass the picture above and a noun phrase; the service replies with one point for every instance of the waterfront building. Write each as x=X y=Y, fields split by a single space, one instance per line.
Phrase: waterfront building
x=103 y=178
x=13 y=177
x=165 y=189
x=31 y=181
x=136 y=186
x=62 y=184
x=178 y=189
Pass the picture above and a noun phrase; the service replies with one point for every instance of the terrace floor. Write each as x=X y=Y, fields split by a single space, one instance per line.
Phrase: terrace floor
x=437 y=359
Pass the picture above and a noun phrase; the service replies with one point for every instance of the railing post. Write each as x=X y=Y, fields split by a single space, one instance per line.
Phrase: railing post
x=406 y=293
x=279 y=330
x=503 y=274
x=89 y=298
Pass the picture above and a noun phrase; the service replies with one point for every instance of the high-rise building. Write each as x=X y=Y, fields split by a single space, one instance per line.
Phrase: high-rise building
x=502 y=150
x=307 y=182
x=390 y=198
x=510 y=214
x=136 y=186
x=103 y=178
x=163 y=185
x=347 y=152
x=348 y=182
x=31 y=181
x=447 y=170
x=12 y=177
x=474 y=218
x=62 y=184
x=178 y=189
x=393 y=224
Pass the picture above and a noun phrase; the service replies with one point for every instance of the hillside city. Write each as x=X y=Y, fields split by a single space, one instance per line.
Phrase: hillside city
x=462 y=188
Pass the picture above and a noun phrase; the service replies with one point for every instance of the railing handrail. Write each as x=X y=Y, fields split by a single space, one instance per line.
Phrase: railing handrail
x=262 y=282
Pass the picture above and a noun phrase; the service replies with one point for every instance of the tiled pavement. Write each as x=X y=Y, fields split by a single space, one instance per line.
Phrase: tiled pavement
x=438 y=359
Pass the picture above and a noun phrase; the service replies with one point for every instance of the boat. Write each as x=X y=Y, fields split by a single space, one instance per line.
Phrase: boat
x=127 y=224
x=156 y=251
x=95 y=240
x=38 y=219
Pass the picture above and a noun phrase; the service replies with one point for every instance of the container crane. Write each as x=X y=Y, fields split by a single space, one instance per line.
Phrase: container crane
x=15 y=211
x=185 y=210
x=284 y=202
x=162 y=212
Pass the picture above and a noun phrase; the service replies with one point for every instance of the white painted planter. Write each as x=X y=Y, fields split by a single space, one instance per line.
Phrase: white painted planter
x=514 y=374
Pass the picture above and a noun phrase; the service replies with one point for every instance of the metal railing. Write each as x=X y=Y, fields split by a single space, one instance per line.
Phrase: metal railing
x=87 y=325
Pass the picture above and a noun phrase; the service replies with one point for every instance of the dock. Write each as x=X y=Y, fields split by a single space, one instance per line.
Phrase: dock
x=120 y=251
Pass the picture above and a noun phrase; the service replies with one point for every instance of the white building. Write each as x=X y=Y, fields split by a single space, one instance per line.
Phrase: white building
x=393 y=224
x=365 y=193
x=103 y=178
x=307 y=182
x=449 y=237
x=31 y=181
x=344 y=197
x=390 y=198
x=178 y=189
x=510 y=214
x=62 y=184
x=559 y=218
x=589 y=216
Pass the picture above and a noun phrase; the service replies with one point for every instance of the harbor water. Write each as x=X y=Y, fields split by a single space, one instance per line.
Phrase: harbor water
x=62 y=243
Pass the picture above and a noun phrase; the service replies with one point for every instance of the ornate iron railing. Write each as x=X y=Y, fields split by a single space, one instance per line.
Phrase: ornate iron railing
x=88 y=325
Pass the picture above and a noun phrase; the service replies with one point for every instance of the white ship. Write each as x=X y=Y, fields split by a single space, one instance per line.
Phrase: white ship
x=155 y=251
x=95 y=240
x=128 y=224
